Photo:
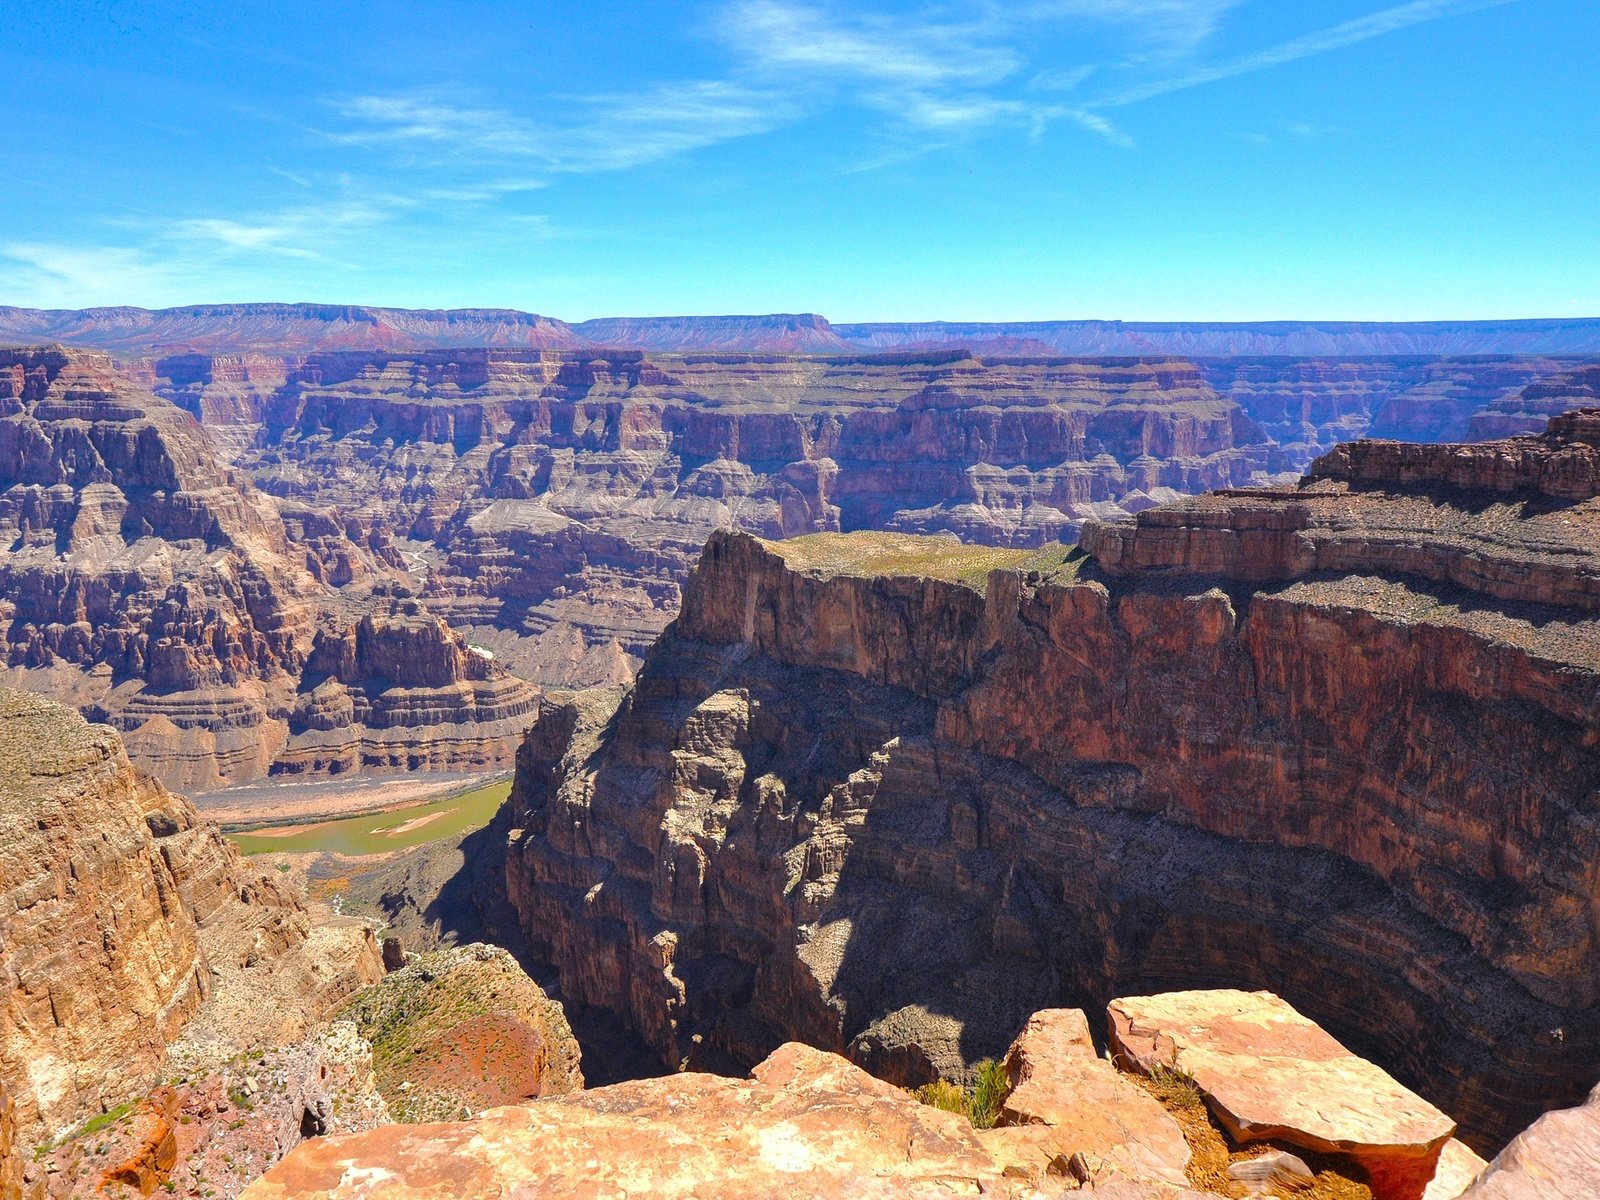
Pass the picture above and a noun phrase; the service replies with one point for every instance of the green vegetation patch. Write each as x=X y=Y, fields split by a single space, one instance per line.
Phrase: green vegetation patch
x=381 y=833
x=454 y=1026
x=872 y=554
x=980 y=1104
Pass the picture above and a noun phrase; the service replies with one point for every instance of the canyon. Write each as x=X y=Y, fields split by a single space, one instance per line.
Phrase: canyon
x=888 y=795
x=878 y=807
x=270 y=557
x=221 y=630
x=178 y=1018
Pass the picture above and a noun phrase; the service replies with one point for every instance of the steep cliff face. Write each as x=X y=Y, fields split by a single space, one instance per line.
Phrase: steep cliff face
x=1336 y=739
x=186 y=530
x=397 y=688
x=1527 y=410
x=120 y=914
x=150 y=586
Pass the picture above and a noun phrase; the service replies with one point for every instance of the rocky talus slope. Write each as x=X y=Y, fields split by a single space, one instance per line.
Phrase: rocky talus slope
x=1129 y=1126
x=149 y=585
x=125 y=919
x=1334 y=739
x=176 y=1020
x=446 y=1035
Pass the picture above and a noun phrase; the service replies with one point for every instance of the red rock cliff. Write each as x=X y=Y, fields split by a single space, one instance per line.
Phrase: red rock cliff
x=1336 y=740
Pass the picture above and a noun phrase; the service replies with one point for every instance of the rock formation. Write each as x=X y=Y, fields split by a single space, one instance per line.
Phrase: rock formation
x=1335 y=740
x=211 y=1131
x=1556 y=1158
x=1066 y=1100
x=558 y=500
x=150 y=586
x=1310 y=405
x=190 y=538
x=457 y=1031
x=1528 y=409
x=1267 y=1073
x=277 y=328
x=821 y=1128
x=121 y=914
x=808 y=1123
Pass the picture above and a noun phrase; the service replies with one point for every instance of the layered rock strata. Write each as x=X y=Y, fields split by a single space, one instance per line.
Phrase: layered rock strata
x=303 y=328
x=121 y=914
x=181 y=532
x=150 y=586
x=558 y=500
x=1334 y=739
x=1309 y=405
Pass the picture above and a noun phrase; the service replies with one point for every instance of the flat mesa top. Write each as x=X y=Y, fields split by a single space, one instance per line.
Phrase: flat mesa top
x=873 y=554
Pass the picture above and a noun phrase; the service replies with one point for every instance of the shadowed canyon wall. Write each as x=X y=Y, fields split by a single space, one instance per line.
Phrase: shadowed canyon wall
x=1336 y=739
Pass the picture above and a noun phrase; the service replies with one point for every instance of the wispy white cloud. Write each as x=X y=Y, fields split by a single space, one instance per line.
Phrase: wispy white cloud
x=1159 y=29
x=294 y=231
x=602 y=133
x=929 y=75
x=1324 y=41
x=48 y=274
x=779 y=36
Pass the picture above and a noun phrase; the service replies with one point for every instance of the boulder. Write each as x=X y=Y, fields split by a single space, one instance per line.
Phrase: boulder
x=1555 y=1158
x=1459 y=1165
x=1269 y=1073
x=1064 y=1100
x=794 y=1134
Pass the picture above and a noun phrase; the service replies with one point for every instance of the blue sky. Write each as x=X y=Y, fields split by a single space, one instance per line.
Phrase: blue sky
x=1141 y=159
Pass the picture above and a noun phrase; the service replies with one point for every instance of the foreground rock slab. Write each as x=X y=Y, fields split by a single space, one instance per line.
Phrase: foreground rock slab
x=826 y=1129
x=1065 y=1100
x=1269 y=1073
x=1555 y=1158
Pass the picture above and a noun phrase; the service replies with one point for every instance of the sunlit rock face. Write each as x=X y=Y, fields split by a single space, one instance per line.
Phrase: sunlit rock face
x=1336 y=740
x=558 y=500
x=807 y=1122
x=150 y=585
x=185 y=529
x=121 y=913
